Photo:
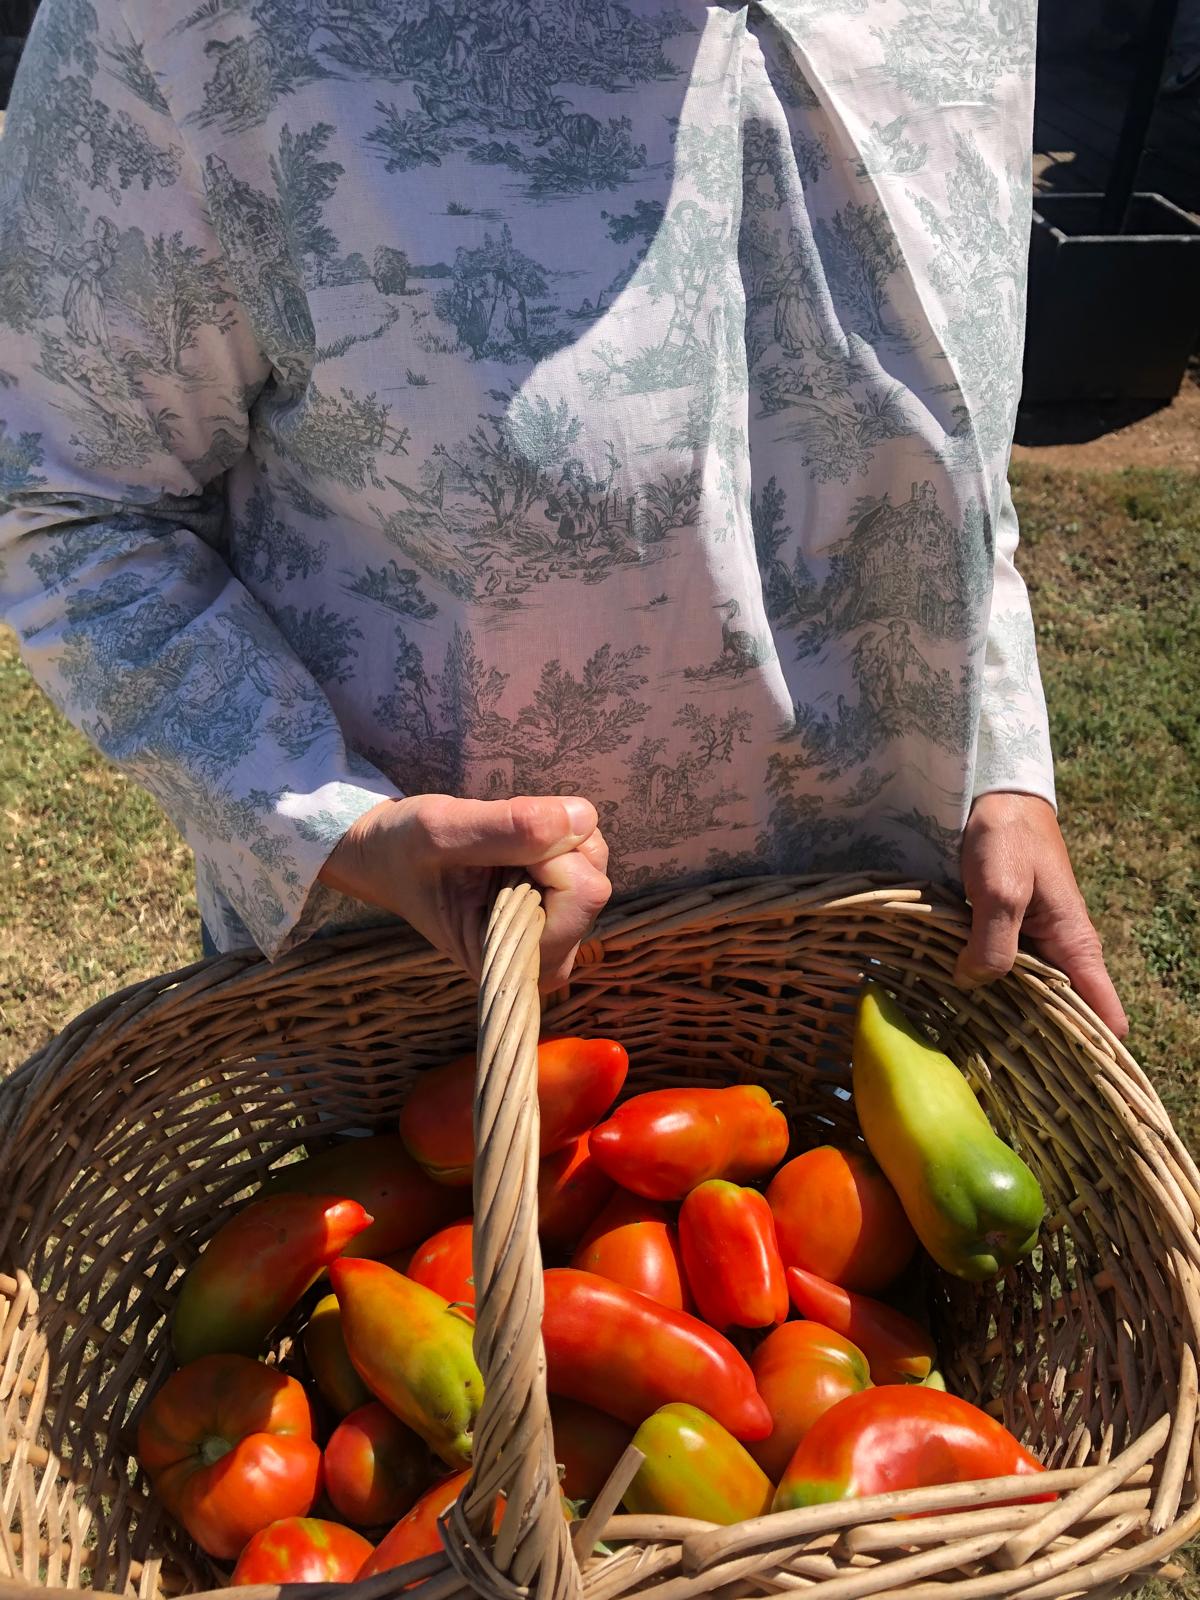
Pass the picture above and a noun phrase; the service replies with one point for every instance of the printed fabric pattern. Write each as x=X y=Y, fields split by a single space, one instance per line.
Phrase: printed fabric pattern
x=407 y=396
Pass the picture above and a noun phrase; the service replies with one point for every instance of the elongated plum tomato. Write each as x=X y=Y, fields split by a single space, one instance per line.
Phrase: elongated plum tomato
x=578 y=1079
x=838 y=1216
x=302 y=1550
x=255 y=1268
x=614 y=1349
x=417 y=1533
x=663 y=1143
x=227 y=1444
x=572 y=1191
x=405 y=1204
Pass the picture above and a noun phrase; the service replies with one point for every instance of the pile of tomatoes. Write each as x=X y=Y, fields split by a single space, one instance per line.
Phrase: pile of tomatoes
x=682 y=1244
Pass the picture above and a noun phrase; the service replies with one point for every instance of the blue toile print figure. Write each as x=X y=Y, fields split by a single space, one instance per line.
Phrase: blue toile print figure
x=570 y=434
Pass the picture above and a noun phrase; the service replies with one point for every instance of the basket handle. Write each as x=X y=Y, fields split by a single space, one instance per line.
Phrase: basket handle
x=514 y=1446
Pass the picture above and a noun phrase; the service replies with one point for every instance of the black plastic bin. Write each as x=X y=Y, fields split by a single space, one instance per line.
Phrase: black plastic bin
x=1111 y=316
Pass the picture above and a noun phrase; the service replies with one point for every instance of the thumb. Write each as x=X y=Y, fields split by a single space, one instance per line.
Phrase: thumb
x=507 y=833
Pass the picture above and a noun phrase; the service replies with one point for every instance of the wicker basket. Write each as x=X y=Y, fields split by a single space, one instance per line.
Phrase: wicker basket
x=122 y=1141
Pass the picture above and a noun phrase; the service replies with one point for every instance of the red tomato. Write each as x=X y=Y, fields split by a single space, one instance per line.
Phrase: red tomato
x=443 y=1264
x=665 y=1142
x=900 y=1436
x=587 y=1445
x=801 y=1370
x=302 y=1550
x=416 y=1534
x=838 y=1216
x=571 y=1191
x=375 y=1467
x=227 y=1444
x=578 y=1079
x=634 y=1242
x=616 y=1350
x=379 y=1173
x=732 y=1261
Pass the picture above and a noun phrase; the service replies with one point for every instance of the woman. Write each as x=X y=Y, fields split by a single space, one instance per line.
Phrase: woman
x=739 y=285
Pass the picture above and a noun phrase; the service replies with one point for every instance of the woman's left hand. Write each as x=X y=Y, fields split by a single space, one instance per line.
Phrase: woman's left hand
x=1018 y=878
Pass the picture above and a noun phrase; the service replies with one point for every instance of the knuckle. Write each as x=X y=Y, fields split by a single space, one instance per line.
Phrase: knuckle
x=1001 y=897
x=536 y=824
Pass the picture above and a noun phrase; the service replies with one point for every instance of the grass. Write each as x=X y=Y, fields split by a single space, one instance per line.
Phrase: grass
x=98 y=888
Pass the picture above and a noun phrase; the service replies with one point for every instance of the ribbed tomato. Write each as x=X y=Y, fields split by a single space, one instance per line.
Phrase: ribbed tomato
x=227 y=1443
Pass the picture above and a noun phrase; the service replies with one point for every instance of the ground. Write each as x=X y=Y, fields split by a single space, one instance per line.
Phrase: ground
x=98 y=885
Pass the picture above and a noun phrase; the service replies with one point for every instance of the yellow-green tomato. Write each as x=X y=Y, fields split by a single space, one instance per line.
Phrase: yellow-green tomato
x=695 y=1468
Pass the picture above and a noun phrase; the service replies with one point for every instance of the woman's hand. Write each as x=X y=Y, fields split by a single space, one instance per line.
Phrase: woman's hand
x=431 y=859
x=1018 y=878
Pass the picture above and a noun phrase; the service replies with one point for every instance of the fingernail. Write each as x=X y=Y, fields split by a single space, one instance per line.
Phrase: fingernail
x=580 y=817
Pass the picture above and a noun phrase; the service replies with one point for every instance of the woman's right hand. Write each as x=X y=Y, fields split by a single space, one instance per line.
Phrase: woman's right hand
x=431 y=859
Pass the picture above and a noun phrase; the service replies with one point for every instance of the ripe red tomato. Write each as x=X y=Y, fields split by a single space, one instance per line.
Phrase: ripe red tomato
x=571 y=1191
x=302 y=1550
x=227 y=1443
x=375 y=1467
x=443 y=1264
x=634 y=1242
x=801 y=1370
x=838 y=1216
x=416 y=1534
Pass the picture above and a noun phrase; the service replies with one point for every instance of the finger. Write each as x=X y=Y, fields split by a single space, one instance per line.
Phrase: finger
x=1074 y=947
x=574 y=893
x=997 y=911
x=504 y=833
x=595 y=850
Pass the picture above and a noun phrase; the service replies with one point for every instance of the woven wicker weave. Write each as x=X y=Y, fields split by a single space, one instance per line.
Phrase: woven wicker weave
x=121 y=1142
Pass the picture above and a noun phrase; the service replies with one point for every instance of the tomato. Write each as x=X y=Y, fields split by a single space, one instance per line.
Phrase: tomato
x=587 y=1445
x=801 y=1370
x=663 y=1143
x=255 y=1268
x=227 y=1444
x=417 y=1534
x=899 y=1436
x=375 y=1467
x=443 y=1264
x=616 y=1350
x=897 y=1348
x=572 y=1191
x=405 y=1203
x=329 y=1361
x=696 y=1468
x=578 y=1079
x=838 y=1216
x=302 y=1550
x=633 y=1241
x=733 y=1265
x=413 y=1352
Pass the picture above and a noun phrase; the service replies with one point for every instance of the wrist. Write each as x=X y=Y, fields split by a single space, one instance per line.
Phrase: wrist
x=352 y=867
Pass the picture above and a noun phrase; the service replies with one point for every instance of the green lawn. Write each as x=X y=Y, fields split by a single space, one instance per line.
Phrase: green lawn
x=98 y=889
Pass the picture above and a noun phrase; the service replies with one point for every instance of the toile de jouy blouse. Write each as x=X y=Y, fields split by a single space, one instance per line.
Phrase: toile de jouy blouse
x=490 y=397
